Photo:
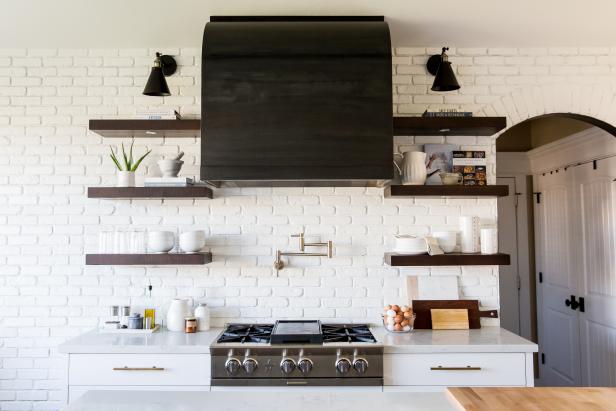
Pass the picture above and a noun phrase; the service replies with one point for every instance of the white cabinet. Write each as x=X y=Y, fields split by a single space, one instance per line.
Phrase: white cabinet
x=180 y=372
x=456 y=369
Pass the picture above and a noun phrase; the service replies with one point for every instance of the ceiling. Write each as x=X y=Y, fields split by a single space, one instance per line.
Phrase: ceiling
x=174 y=23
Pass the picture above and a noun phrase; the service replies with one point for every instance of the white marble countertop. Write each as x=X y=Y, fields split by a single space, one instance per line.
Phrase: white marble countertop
x=160 y=342
x=260 y=401
x=486 y=339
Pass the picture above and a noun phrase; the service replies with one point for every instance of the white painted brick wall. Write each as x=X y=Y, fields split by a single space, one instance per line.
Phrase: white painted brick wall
x=48 y=158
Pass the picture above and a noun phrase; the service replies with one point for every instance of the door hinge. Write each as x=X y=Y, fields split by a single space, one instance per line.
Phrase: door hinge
x=581 y=306
x=538 y=194
x=542 y=358
x=540 y=277
x=518 y=281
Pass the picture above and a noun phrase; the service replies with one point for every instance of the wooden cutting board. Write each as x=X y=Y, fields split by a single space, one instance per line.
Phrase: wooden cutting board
x=533 y=399
x=449 y=319
x=422 y=308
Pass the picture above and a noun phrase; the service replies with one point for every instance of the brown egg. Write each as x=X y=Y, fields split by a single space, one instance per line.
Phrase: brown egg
x=408 y=314
x=395 y=307
x=404 y=308
x=404 y=323
x=398 y=318
x=387 y=307
x=398 y=327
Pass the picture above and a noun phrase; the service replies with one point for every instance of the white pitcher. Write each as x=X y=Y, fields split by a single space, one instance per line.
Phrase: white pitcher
x=178 y=311
x=413 y=169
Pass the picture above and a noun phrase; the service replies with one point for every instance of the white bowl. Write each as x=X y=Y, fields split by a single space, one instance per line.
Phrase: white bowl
x=192 y=241
x=161 y=241
x=447 y=240
x=170 y=168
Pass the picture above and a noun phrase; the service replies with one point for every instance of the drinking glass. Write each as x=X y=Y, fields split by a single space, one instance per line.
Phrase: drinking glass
x=106 y=241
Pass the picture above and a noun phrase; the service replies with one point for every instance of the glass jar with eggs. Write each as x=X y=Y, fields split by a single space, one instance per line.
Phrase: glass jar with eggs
x=398 y=319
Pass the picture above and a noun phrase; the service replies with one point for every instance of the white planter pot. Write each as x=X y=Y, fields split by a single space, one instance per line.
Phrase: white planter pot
x=178 y=311
x=126 y=179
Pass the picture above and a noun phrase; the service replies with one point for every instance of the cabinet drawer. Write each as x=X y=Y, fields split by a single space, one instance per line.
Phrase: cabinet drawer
x=455 y=369
x=76 y=391
x=139 y=369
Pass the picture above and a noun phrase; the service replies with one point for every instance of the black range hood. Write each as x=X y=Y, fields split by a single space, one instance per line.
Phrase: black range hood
x=296 y=101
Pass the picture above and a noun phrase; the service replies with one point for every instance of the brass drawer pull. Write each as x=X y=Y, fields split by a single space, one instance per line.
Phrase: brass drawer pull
x=467 y=368
x=138 y=369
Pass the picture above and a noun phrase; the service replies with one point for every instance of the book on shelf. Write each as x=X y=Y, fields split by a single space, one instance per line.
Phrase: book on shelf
x=472 y=165
x=157 y=114
x=447 y=113
x=438 y=160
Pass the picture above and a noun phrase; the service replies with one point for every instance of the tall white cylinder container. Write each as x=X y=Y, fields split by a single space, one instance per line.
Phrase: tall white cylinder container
x=469 y=234
x=178 y=310
x=202 y=314
x=489 y=240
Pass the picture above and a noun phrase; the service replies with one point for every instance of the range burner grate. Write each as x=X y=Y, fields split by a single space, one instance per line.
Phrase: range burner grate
x=333 y=333
x=246 y=333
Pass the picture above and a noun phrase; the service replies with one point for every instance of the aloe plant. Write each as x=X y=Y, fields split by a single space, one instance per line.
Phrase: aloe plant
x=128 y=163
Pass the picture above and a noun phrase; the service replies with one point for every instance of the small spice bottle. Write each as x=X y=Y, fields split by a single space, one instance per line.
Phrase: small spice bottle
x=190 y=325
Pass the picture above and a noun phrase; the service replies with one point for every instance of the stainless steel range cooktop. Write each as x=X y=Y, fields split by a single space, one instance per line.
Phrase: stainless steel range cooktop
x=296 y=353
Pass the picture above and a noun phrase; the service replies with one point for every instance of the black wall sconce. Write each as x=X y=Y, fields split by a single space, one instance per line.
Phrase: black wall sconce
x=440 y=67
x=157 y=85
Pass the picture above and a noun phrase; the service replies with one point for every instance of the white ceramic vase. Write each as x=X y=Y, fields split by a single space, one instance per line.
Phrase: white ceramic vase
x=178 y=311
x=469 y=234
x=126 y=179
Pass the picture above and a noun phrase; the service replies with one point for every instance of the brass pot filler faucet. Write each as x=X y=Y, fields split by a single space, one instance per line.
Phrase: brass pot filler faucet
x=279 y=264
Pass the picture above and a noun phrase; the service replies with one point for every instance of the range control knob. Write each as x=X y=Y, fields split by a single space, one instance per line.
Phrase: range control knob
x=250 y=365
x=287 y=366
x=233 y=365
x=360 y=365
x=305 y=365
x=343 y=365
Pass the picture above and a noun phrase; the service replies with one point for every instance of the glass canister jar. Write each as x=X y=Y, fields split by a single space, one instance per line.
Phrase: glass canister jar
x=190 y=325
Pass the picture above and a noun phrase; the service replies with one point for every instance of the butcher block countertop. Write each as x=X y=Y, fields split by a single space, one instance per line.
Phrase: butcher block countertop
x=533 y=399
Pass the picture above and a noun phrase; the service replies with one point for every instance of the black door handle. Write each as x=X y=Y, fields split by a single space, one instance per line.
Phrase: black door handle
x=573 y=303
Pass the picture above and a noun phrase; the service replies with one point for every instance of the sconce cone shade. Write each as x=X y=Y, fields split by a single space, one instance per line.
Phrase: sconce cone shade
x=157 y=85
x=445 y=80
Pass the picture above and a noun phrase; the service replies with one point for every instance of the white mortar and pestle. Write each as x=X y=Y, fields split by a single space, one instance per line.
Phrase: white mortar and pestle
x=170 y=167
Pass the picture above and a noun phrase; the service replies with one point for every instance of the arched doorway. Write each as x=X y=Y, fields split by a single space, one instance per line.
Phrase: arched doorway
x=560 y=226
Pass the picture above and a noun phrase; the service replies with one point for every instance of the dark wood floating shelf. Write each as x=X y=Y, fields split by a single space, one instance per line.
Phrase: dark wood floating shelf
x=404 y=260
x=149 y=259
x=403 y=126
x=146 y=128
x=150 y=192
x=448 y=126
x=447 y=191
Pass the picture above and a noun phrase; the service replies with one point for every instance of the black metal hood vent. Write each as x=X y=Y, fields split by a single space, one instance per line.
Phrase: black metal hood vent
x=296 y=101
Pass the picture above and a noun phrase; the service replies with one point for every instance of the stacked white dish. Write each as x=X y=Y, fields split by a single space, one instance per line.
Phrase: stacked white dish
x=410 y=244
